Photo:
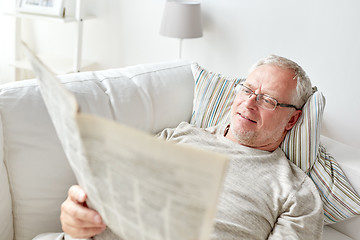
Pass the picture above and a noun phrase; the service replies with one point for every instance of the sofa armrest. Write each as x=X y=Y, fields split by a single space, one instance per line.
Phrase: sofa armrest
x=331 y=234
x=348 y=227
x=6 y=218
x=348 y=158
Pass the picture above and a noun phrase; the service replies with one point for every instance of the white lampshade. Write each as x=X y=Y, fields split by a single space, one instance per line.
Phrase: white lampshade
x=181 y=19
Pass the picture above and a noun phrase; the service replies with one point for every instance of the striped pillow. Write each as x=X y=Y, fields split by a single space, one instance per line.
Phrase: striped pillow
x=301 y=143
x=213 y=98
x=339 y=198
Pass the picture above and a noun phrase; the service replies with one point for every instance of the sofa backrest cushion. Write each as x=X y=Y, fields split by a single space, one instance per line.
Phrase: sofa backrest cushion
x=149 y=97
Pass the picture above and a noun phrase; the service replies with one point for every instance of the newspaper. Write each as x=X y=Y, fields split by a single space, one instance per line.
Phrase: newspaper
x=143 y=187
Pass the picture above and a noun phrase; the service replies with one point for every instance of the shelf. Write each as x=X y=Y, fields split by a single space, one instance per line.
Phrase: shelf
x=57 y=64
x=45 y=17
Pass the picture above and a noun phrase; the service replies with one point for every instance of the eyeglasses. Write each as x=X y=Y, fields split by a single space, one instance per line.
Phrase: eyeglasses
x=262 y=100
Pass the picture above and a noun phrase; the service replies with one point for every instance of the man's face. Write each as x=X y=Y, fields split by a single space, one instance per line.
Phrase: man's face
x=254 y=126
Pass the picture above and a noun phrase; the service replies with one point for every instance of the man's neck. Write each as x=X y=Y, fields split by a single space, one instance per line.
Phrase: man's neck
x=270 y=147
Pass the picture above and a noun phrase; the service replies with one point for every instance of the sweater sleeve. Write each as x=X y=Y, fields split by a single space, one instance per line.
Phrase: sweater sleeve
x=166 y=134
x=302 y=217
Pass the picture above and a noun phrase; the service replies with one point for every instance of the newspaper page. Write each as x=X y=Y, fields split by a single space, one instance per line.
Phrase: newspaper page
x=62 y=107
x=144 y=188
x=160 y=190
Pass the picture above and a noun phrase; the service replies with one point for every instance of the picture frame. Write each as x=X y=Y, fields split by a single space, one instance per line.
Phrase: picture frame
x=44 y=7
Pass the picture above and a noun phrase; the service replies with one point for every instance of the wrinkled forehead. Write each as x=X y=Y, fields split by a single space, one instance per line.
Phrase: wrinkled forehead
x=273 y=80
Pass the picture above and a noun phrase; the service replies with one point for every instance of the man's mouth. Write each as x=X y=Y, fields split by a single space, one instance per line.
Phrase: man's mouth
x=247 y=118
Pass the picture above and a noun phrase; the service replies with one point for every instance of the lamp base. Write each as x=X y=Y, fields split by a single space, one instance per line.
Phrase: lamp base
x=180 y=47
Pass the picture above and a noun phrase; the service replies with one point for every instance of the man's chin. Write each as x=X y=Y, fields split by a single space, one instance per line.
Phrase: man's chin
x=244 y=127
x=244 y=136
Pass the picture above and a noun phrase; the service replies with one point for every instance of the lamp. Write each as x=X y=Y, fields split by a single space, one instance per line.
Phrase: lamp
x=181 y=20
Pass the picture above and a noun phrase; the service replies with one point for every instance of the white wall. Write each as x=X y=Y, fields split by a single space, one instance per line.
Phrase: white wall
x=322 y=36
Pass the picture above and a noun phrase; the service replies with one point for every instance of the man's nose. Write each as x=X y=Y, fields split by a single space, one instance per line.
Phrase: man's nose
x=250 y=101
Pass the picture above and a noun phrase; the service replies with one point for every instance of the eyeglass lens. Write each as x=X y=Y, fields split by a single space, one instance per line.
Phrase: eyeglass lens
x=262 y=100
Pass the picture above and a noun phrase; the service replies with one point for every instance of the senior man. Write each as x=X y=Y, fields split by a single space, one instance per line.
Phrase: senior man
x=264 y=196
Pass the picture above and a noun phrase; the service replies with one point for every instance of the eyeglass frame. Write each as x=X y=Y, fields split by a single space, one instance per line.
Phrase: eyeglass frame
x=257 y=96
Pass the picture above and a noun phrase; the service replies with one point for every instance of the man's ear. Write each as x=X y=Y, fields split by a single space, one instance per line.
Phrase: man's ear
x=293 y=119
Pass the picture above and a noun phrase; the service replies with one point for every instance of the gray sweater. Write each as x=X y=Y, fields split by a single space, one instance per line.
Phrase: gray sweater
x=265 y=196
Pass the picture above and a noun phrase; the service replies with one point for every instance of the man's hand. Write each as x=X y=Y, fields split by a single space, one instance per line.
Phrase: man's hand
x=76 y=218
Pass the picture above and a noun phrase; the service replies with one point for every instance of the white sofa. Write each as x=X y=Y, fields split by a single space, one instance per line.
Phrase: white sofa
x=34 y=173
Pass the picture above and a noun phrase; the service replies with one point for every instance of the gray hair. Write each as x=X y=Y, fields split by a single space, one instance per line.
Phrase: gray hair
x=303 y=86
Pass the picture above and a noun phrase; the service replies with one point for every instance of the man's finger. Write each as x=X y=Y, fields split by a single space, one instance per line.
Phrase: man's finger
x=76 y=193
x=80 y=213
